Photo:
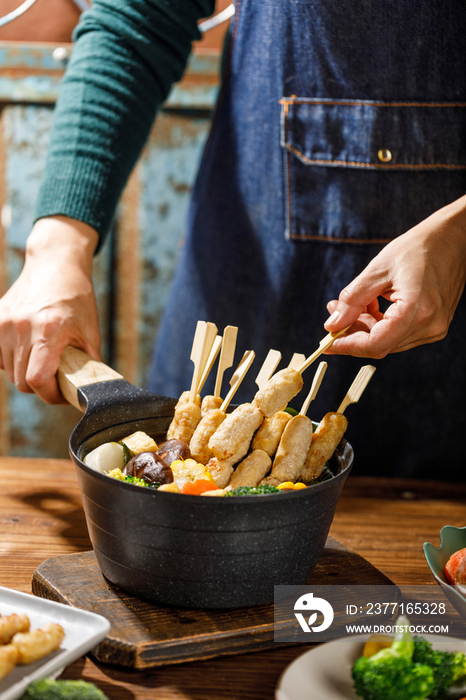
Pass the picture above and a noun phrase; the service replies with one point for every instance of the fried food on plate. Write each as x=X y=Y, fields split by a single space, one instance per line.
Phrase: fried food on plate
x=32 y=646
x=8 y=659
x=10 y=625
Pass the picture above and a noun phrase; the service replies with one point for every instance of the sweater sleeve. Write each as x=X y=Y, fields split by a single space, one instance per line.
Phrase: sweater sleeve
x=127 y=55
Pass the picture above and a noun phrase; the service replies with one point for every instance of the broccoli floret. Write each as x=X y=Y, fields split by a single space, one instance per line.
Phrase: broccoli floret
x=253 y=490
x=47 y=689
x=391 y=674
x=140 y=482
x=386 y=676
x=448 y=667
x=120 y=476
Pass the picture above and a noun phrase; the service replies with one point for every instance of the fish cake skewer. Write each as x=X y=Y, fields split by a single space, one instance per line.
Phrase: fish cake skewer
x=332 y=427
x=185 y=421
x=292 y=451
x=222 y=469
x=180 y=411
x=238 y=427
x=251 y=470
x=210 y=402
x=278 y=391
x=324 y=442
x=187 y=411
x=269 y=434
x=199 y=445
x=211 y=421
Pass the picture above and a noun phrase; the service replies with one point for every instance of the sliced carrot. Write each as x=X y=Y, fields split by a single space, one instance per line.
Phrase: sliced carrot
x=195 y=488
x=451 y=567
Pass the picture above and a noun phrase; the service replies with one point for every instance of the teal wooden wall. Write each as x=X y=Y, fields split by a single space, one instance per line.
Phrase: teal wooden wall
x=134 y=269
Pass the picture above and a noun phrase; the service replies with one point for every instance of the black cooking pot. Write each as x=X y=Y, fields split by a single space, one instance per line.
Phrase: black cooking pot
x=191 y=551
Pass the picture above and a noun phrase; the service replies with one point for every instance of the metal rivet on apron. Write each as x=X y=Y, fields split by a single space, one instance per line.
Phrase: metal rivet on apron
x=384 y=155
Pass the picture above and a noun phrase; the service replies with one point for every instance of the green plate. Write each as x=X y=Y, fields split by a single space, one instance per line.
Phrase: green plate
x=451 y=540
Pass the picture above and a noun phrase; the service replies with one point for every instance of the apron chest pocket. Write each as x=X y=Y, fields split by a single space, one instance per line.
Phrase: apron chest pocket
x=353 y=169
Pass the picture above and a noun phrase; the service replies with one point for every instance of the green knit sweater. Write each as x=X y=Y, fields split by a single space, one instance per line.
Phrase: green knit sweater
x=127 y=55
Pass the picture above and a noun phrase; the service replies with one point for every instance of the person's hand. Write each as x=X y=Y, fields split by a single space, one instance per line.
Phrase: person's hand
x=51 y=305
x=423 y=272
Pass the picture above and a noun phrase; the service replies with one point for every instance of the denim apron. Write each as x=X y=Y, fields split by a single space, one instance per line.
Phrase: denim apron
x=340 y=125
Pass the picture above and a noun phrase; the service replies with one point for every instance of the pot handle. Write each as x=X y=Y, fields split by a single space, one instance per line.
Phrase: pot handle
x=77 y=369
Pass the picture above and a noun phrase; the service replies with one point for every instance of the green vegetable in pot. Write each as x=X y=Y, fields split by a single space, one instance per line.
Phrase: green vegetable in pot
x=325 y=476
x=391 y=674
x=291 y=411
x=253 y=490
x=448 y=667
x=118 y=474
x=47 y=689
x=127 y=454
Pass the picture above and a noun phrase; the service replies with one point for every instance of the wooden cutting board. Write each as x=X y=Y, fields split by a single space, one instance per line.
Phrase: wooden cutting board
x=146 y=634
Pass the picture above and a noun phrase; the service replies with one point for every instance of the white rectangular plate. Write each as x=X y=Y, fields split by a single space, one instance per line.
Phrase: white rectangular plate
x=83 y=631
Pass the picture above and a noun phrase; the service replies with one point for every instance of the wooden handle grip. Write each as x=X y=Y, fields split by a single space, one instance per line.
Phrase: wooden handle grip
x=76 y=369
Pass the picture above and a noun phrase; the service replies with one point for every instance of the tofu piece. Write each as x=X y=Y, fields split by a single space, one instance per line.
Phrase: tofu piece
x=140 y=442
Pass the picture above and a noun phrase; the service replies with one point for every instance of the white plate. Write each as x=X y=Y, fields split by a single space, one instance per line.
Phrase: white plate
x=324 y=672
x=83 y=631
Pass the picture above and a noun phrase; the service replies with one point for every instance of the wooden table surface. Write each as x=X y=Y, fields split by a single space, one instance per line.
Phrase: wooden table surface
x=384 y=520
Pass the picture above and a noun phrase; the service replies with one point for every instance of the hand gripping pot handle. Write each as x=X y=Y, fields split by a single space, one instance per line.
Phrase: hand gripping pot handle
x=78 y=369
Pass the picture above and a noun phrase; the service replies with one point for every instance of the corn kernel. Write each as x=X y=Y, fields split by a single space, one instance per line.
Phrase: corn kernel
x=117 y=474
x=286 y=485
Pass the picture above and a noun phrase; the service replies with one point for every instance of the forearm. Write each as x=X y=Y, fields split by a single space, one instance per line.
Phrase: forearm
x=127 y=55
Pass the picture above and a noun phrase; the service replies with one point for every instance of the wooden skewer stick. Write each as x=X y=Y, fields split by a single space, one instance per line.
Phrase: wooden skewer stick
x=202 y=344
x=210 y=361
x=357 y=387
x=324 y=345
x=268 y=368
x=316 y=382
x=196 y=357
x=297 y=360
x=238 y=377
x=226 y=356
x=211 y=334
